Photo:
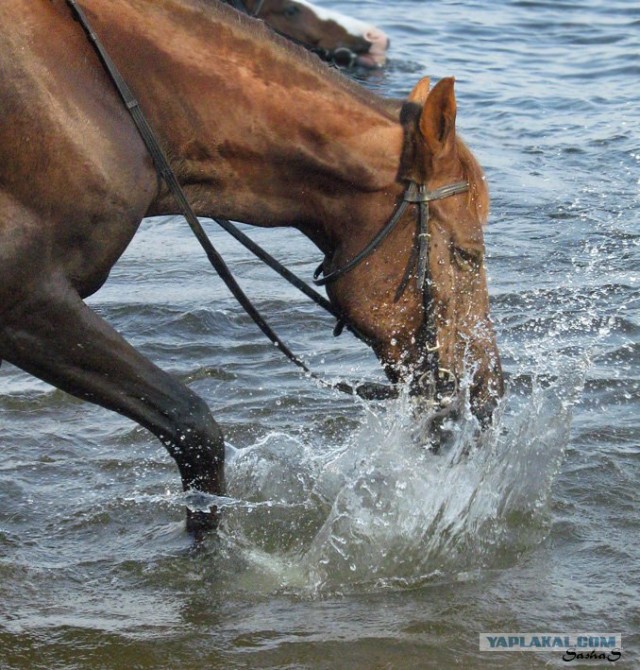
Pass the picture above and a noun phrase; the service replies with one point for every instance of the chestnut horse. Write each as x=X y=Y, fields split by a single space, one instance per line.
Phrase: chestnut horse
x=257 y=131
x=335 y=37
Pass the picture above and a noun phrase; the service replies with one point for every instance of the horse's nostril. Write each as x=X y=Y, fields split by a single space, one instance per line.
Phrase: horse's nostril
x=376 y=36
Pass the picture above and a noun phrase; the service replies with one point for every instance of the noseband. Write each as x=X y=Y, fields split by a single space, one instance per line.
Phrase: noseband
x=340 y=57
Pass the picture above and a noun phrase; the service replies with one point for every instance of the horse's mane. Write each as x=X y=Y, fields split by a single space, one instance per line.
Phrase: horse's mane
x=302 y=59
x=474 y=175
x=285 y=49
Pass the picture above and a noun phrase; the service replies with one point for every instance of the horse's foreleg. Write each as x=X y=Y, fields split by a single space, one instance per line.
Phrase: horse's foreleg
x=57 y=338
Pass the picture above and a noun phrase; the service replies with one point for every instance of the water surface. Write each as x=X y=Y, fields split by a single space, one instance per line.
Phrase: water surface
x=345 y=544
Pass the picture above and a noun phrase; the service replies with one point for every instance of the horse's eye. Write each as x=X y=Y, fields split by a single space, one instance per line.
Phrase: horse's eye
x=468 y=259
x=291 y=10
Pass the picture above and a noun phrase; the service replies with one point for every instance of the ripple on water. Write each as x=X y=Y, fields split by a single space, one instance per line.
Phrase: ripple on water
x=327 y=496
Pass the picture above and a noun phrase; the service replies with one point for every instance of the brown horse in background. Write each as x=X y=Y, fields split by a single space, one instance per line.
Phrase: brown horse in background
x=257 y=131
x=334 y=36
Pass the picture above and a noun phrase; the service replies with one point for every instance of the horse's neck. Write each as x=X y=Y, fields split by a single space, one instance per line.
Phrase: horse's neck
x=258 y=131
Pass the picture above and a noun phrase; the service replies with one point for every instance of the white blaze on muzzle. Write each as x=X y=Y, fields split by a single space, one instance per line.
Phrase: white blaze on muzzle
x=376 y=37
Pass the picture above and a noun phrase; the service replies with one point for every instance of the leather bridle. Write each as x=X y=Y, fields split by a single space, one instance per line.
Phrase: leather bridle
x=416 y=194
x=436 y=383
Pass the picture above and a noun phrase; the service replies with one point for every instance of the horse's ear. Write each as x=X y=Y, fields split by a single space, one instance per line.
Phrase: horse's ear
x=438 y=118
x=420 y=91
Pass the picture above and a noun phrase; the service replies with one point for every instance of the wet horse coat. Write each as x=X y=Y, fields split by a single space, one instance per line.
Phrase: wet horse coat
x=257 y=131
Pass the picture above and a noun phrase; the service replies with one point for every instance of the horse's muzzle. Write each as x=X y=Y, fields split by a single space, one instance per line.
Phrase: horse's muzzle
x=376 y=56
x=369 y=51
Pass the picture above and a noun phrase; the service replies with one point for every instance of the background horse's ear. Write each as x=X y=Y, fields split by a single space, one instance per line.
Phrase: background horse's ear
x=420 y=91
x=438 y=118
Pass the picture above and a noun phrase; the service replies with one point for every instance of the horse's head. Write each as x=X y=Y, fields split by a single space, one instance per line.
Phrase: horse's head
x=335 y=37
x=421 y=298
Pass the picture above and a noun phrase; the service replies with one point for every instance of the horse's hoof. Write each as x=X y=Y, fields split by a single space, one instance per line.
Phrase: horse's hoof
x=200 y=523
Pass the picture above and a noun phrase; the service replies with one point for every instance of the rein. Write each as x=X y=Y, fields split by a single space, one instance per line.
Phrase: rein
x=436 y=380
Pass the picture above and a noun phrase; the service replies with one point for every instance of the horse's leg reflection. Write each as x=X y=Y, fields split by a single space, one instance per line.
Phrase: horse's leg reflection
x=56 y=337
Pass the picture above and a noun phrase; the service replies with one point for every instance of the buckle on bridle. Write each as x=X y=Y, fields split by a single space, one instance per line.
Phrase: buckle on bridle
x=416 y=193
x=442 y=389
x=434 y=348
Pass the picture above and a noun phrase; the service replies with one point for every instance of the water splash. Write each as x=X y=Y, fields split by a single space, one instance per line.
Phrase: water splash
x=384 y=511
